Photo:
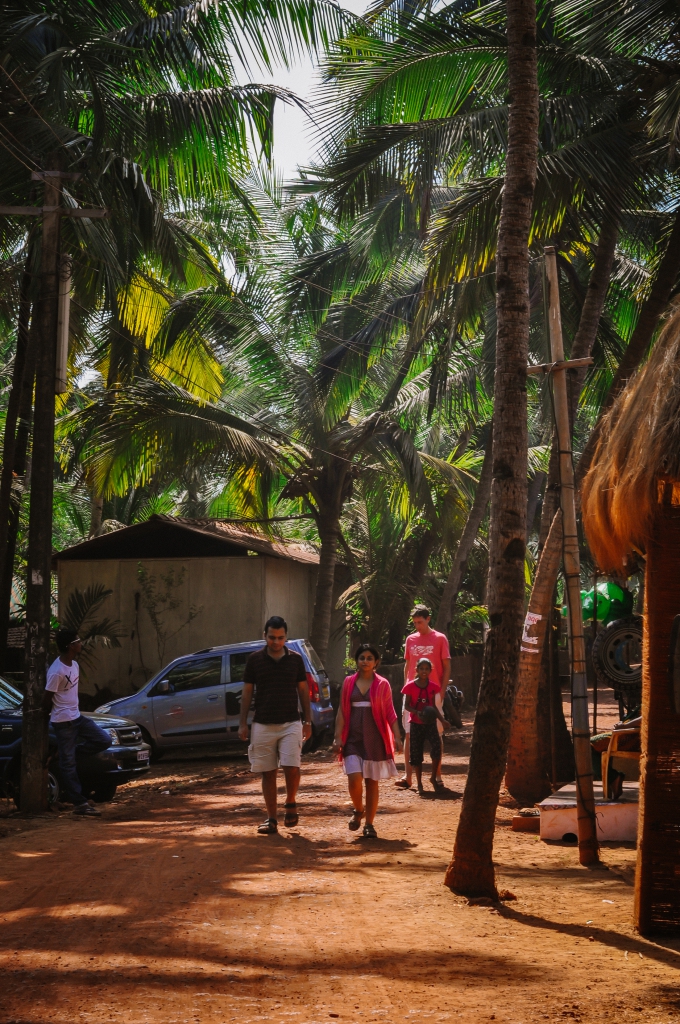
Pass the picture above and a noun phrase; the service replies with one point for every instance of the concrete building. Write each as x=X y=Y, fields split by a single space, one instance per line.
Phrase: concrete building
x=204 y=582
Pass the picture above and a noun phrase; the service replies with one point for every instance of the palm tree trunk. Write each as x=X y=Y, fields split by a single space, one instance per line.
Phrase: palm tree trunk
x=9 y=440
x=471 y=870
x=17 y=465
x=641 y=337
x=96 y=513
x=525 y=777
x=657 y=884
x=328 y=526
x=467 y=540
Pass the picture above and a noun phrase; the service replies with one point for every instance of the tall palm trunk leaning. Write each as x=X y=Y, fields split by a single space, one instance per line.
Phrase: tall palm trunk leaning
x=471 y=870
x=525 y=775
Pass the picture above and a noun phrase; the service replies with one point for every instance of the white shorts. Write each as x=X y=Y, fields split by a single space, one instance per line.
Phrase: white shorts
x=406 y=720
x=274 y=745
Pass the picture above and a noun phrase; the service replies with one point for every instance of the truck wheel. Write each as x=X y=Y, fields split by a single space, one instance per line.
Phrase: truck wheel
x=617 y=656
x=313 y=743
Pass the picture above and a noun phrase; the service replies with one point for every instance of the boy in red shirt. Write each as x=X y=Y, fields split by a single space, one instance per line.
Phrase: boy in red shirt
x=423 y=715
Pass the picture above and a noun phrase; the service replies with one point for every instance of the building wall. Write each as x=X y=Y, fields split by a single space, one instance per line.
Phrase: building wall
x=219 y=601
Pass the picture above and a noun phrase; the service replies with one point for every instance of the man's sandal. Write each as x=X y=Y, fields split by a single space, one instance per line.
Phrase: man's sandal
x=268 y=827
x=439 y=786
x=291 y=816
x=370 y=832
x=354 y=823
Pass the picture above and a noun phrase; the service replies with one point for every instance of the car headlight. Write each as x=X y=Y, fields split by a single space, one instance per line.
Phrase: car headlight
x=114 y=737
x=104 y=709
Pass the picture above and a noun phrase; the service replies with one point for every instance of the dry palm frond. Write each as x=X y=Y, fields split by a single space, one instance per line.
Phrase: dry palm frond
x=639 y=447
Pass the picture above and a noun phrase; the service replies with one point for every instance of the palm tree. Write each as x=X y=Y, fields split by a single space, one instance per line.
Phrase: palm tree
x=471 y=870
x=120 y=96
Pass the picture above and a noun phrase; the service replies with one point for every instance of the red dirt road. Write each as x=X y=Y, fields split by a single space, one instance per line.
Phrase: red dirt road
x=170 y=909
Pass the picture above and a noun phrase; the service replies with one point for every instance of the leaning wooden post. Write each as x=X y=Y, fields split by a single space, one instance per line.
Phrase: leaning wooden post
x=585 y=801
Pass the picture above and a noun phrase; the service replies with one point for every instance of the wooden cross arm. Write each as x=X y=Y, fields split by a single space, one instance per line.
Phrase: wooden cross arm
x=66 y=211
x=563 y=364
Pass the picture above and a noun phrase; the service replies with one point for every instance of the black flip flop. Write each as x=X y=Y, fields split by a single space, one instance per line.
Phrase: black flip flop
x=268 y=827
x=291 y=816
x=370 y=832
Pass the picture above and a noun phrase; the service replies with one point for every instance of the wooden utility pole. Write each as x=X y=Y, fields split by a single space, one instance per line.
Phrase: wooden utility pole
x=50 y=307
x=585 y=801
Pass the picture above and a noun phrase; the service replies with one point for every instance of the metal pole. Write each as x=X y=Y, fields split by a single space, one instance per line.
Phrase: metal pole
x=38 y=584
x=585 y=801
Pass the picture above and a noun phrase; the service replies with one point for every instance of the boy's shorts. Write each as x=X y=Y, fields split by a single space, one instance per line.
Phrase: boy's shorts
x=274 y=745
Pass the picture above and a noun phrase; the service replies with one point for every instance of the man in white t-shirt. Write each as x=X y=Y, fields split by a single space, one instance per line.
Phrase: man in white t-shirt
x=71 y=728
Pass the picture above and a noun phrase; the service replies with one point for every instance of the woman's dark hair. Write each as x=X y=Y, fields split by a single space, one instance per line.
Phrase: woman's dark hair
x=367 y=647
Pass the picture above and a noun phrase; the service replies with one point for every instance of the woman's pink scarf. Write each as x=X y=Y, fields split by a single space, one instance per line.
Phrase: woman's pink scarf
x=380 y=695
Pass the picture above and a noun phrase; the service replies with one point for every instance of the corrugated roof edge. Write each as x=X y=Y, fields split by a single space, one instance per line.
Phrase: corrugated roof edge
x=247 y=538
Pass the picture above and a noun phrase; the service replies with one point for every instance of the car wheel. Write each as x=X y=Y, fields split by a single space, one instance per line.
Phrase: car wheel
x=52 y=790
x=156 y=753
x=314 y=742
x=105 y=792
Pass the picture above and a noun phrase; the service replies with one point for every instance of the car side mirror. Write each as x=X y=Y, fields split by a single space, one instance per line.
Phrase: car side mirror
x=163 y=686
x=674 y=665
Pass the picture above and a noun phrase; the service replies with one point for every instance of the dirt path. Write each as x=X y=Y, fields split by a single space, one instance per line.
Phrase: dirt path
x=170 y=909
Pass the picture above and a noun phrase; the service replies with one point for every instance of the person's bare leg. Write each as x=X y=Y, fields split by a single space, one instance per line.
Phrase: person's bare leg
x=436 y=770
x=441 y=757
x=356 y=791
x=408 y=770
x=269 y=787
x=418 y=769
x=372 y=794
x=292 y=777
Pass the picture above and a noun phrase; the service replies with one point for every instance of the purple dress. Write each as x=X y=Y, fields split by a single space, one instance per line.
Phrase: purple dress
x=364 y=752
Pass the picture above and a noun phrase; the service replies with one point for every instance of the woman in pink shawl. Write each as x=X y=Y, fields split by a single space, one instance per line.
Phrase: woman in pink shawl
x=366 y=735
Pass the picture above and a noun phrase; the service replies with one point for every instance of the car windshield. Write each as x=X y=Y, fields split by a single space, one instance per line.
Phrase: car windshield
x=10 y=699
x=314 y=658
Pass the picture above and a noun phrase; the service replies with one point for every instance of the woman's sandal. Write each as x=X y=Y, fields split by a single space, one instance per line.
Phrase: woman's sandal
x=402 y=784
x=354 y=823
x=370 y=832
x=268 y=827
x=291 y=816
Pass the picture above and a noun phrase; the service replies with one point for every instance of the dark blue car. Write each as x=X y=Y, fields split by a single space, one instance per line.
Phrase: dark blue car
x=100 y=774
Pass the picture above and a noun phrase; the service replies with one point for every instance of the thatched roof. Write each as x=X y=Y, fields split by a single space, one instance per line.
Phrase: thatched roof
x=637 y=456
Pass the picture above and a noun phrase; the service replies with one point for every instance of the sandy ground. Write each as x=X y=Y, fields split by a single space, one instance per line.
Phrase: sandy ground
x=169 y=908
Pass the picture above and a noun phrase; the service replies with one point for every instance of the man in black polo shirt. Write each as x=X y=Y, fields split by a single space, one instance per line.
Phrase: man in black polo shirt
x=279 y=678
